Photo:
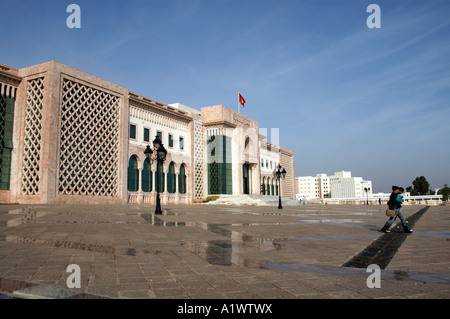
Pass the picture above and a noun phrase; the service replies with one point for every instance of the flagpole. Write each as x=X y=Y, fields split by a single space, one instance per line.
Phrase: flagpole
x=239 y=103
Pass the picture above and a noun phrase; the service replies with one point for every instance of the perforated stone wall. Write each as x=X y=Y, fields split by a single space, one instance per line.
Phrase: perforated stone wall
x=89 y=141
x=32 y=137
x=198 y=161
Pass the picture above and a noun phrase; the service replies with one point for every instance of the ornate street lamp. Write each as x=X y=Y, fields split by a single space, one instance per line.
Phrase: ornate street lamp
x=279 y=174
x=367 y=189
x=160 y=157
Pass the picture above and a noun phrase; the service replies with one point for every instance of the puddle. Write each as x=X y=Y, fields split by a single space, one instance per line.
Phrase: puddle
x=398 y=275
x=332 y=237
x=437 y=233
x=331 y=221
x=28 y=290
x=237 y=245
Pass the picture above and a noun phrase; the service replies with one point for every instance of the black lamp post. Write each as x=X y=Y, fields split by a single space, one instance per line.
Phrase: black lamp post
x=367 y=189
x=279 y=174
x=160 y=157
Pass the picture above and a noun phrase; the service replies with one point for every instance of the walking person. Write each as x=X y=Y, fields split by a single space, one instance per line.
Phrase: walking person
x=395 y=203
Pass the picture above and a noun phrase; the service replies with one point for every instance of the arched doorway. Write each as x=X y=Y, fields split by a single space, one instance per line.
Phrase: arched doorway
x=182 y=180
x=133 y=175
x=159 y=175
x=171 y=178
x=147 y=177
x=246 y=178
x=247 y=166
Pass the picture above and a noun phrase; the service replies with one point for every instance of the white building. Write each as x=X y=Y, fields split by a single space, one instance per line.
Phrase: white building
x=340 y=185
x=343 y=185
x=312 y=187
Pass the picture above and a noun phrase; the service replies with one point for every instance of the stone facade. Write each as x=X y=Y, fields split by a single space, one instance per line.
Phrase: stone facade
x=70 y=137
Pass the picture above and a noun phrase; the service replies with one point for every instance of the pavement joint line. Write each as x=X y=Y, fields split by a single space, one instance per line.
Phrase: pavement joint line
x=383 y=249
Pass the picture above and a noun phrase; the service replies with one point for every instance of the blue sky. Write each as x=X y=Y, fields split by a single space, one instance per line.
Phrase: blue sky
x=345 y=97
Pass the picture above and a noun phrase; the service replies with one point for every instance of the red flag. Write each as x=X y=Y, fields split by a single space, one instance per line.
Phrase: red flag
x=241 y=100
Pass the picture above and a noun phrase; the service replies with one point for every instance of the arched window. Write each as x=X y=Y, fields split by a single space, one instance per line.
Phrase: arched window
x=272 y=186
x=160 y=176
x=147 y=177
x=263 y=186
x=171 y=178
x=133 y=177
x=182 y=180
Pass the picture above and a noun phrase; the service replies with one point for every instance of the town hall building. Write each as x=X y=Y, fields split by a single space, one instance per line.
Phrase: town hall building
x=67 y=136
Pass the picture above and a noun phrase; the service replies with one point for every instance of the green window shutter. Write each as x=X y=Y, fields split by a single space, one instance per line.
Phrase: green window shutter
x=146 y=177
x=161 y=179
x=133 y=178
x=170 y=179
x=182 y=181
x=132 y=131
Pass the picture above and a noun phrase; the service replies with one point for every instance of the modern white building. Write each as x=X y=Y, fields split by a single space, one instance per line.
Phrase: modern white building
x=343 y=185
x=340 y=185
x=312 y=187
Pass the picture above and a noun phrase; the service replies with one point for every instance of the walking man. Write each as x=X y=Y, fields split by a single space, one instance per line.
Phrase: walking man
x=395 y=203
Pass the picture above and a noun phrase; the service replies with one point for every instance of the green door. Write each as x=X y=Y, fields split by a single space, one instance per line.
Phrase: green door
x=246 y=178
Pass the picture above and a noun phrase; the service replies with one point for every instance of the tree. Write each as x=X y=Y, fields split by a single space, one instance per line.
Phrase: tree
x=421 y=186
x=445 y=192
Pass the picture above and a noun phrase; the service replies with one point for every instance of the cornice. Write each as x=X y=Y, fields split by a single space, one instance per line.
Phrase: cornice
x=10 y=78
x=160 y=108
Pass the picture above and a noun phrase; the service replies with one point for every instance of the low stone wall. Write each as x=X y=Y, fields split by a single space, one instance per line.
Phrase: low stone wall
x=375 y=202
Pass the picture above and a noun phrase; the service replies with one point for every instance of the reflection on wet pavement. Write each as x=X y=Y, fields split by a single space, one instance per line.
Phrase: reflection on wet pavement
x=29 y=290
x=437 y=233
x=358 y=272
x=17 y=217
x=234 y=247
x=57 y=243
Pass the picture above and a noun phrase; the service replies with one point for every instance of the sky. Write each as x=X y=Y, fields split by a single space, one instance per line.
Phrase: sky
x=373 y=101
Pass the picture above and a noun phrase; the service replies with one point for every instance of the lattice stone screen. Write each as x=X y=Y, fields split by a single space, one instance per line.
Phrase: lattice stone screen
x=32 y=137
x=89 y=142
x=198 y=160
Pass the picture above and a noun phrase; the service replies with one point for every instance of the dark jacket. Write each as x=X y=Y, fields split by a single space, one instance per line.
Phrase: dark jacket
x=395 y=201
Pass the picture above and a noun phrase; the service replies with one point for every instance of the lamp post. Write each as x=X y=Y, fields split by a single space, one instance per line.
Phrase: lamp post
x=279 y=174
x=160 y=157
x=367 y=189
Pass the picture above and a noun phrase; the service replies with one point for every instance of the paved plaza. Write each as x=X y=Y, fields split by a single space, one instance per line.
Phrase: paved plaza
x=224 y=252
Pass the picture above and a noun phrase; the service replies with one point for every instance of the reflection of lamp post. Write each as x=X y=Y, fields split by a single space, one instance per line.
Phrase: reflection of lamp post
x=367 y=189
x=279 y=174
x=160 y=157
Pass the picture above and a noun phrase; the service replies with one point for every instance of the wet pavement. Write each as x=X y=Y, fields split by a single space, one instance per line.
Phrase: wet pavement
x=203 y=251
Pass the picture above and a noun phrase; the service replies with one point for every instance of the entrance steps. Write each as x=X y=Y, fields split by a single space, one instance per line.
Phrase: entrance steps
x=252 y=200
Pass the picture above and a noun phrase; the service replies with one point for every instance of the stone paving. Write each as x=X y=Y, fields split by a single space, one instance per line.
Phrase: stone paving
x=223 y=252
